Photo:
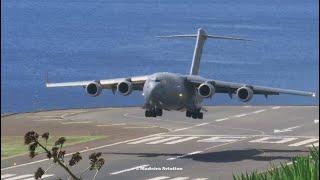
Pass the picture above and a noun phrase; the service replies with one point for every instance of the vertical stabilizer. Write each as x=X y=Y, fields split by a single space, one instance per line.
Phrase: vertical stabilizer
x=201 y=38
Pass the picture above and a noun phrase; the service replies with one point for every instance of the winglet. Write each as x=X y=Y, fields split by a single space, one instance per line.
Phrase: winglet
x=46 y=79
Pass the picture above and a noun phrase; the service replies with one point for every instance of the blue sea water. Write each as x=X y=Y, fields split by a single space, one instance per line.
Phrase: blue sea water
x=99 y=39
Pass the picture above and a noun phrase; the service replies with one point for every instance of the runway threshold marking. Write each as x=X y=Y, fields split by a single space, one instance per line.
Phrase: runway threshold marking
x=164 y=140
x=181 y=140
x=145 y=140
x=314 y=144
x=273 y=140
x=130 y=169
x=285 y=130
x=303 y=142
x=83 y=151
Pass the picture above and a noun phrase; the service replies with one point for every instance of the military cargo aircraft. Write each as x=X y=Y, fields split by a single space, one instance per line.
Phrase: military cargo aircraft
x=171 y=91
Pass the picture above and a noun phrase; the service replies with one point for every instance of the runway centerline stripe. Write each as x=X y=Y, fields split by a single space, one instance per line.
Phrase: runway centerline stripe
x=240 y=115
x=185 y=155
x=182 y=140
x=200 y=179
x=164 y=140
x=146 y=140
x=77 y=122
x=7 y=175
x=183 y=129
x=202 y=124
x=223 y=119
x=44 y=176
x=304 y=142
x=130 y=169
x=160 y=178
x=20 y=177
x=180 y=178
x=259 y=111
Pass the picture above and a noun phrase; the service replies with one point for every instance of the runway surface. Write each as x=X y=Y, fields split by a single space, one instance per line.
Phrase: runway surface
x=229 y=140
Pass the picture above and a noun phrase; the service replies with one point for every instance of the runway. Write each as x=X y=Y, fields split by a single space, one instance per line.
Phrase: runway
x=229 y=140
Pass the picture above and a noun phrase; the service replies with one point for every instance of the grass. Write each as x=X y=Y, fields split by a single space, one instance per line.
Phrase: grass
x=302 y=168
x=12 y=146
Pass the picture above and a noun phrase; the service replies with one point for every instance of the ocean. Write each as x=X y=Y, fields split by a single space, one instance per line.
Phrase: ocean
x=74 y=40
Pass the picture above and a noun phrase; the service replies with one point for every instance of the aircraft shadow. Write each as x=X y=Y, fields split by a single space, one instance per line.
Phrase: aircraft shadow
x=228 y=155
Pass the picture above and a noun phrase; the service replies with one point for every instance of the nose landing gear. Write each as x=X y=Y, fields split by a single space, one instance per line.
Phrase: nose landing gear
x=194 y=114
x=153 y=112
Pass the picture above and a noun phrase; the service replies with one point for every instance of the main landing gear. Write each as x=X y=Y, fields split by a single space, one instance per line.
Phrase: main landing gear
x=153 y=112
x=194 y=114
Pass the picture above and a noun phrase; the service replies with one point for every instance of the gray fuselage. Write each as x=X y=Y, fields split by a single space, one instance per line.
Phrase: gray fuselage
x=170 y=91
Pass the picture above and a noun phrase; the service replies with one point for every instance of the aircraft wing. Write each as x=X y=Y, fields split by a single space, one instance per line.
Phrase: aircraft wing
x=137 y=82
x=231 y=87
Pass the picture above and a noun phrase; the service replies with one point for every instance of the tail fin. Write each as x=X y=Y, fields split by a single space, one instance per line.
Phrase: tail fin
x=201 y=38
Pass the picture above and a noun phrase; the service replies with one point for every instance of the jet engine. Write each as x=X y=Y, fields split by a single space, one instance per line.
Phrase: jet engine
x=125 y=88
x=245 y=94
x=93 y=89
x=206 y=90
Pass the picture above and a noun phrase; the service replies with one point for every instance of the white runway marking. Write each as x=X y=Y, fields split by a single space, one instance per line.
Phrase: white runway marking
x=202 y=124
x=44 y=176
x=316 y=121
x=221 y=139
x=176 y=178
x=273 y=140
x=240 y=115
x=182 y=129
x=285 y=130
x=6 y=175
x=259 y=111
x=181 y=140
x=276 y=107
x=164 y=140
x=77 y=122
x=146 y=140
x=130 y=169
x=91 y=149
x=304 y=142
x=314 y=144
x=180 y=178
x=20 y=177
x=222 y=119
x=44 y=120
x=185 y=155
x=160 y=178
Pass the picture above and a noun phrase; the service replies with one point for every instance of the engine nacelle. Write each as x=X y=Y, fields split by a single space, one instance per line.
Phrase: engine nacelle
x=124 y=87
x=245 y=94
x=206 y=90
x=93 y=89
